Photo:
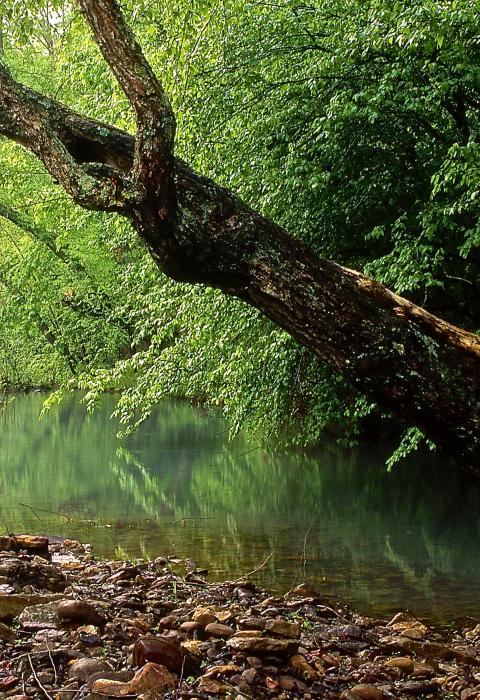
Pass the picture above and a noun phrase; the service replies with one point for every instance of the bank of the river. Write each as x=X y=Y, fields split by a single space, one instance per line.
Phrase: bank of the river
x=76 y=628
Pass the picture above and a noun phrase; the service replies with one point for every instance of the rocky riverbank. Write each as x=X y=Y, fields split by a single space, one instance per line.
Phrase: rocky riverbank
x=73 y=628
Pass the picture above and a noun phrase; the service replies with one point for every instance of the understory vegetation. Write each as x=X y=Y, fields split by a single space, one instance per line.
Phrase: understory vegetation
x=354 y=124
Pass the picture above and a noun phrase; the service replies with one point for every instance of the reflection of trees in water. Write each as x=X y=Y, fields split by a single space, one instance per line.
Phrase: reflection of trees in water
x=368 y=529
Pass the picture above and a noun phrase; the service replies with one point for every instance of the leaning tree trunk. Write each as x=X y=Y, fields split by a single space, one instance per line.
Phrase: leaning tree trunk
x=410 y=362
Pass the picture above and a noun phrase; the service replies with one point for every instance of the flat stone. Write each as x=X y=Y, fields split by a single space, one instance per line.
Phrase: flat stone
x=210 y=685
x=40 y=617
x=113 y=689
x=215 y=629
x=263 y=645
x=12 y=605
x=222 y=670
x=33 y=572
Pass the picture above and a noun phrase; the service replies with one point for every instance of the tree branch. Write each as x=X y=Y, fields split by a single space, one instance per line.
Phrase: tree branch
x=153 y=164
x=27 y=117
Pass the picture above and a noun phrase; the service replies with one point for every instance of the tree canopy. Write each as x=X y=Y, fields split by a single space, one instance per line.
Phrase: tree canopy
x=353 y=125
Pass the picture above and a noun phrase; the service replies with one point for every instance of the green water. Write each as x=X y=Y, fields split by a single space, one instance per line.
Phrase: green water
x=380 y=541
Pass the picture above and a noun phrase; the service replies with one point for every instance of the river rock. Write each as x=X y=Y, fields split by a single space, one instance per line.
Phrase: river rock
x=363 y=692
x=82 y=669
x=33 y=544
x=152 y=678
x=32 y=572
x=263 y=645
x=299 y=663
x=40 y=617
x=7 y=633
x=215 y=629
x=205 y=616
x=12 y=605
x=164 y=651
x=402 y=663
x=210 y=686
x=80 y=611
x=123 y=676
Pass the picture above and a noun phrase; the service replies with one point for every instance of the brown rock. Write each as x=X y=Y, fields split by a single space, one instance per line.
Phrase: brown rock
x=123 y=676
x=282 y=628
x=248 y=633
x=263 y=645
x=153 y=679
x=164 y=651
x=210 y=685
x=470 y=694
x=33 y=544
x=82 y=669
x=421 y=670
x=80 y=611
x=366 y=692
x=6 y=633
x=300 y=664
x=433 y=650
x=8 y=682
x=190 y=626
x=205 y=616
x=222 y=670
x=114 y=689
x=215 y=629
x=250 y=675
x=40 y=617
x=12 y=605
x=289 y=630
x=33 y=572
x=402 y=663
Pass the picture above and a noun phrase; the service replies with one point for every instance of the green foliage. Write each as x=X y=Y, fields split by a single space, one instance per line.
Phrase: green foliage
x=353 y=124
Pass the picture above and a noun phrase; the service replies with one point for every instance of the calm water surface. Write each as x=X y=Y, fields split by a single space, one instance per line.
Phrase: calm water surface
x=335 y=519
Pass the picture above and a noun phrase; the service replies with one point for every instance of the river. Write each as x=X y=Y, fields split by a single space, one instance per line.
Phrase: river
x=334 y=518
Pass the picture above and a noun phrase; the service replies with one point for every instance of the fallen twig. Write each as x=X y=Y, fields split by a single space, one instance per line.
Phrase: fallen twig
x=39 y=683
x=254 y=571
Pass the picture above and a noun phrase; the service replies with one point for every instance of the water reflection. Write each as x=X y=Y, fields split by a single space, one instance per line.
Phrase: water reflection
x=378 y=540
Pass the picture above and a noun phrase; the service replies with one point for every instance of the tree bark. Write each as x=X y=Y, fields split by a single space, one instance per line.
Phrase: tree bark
x=410 y=362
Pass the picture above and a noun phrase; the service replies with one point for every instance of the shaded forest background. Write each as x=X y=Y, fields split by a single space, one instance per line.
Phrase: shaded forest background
x=353 y=124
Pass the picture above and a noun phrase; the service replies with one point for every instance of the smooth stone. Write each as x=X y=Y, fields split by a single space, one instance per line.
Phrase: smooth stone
x=82 y=669
x=80 y=611
x=215 y=629
x=164 y=651
x=364 y=692
x=152 y=678
x=403 y=663
x=222 y=670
